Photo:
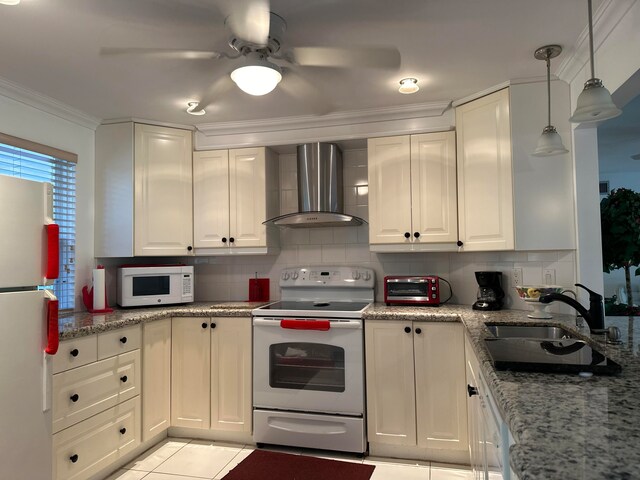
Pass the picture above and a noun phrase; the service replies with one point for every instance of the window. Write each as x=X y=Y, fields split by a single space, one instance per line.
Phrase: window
x=32 y=161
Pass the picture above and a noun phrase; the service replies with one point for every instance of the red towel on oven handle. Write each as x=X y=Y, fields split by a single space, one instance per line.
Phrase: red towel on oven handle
x=322 y=325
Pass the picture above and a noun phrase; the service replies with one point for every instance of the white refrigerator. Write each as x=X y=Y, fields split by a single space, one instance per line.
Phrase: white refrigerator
x=28 y=327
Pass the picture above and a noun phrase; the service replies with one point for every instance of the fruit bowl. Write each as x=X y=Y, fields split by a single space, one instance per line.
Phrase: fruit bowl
x=532 y=293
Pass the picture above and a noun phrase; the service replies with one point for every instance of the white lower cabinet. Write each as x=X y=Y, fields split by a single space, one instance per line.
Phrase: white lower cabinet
x=156 y=378
x=416 y=404
x=211 y=373
x=92 y=445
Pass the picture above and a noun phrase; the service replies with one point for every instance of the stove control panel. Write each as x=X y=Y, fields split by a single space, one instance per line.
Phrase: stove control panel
x=324 y=276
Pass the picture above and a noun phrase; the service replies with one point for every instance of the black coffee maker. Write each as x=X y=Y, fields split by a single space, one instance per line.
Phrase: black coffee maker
x=490 y=293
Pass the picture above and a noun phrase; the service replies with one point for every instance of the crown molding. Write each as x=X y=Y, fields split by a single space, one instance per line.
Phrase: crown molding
x=146 y=121
x=354 y=117
x=47 y=104
x=481 y=93
x=605 y=20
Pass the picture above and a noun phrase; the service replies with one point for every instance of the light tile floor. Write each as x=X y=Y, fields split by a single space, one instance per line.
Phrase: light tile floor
x=181 y=459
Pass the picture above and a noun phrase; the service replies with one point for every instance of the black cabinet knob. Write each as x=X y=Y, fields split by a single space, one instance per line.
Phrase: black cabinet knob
x=189 y=248
x=74 y=398
x=231 y=239
x=204 y=325
x=74 y=352
x=416 y=234
x=418 y=331
x=73 y=458
x=407 y=234
x=123 y=430
x=123 y=340
x=407 y=329
x=472 y=390
x=124 y=379
x=224 y=239
x=213 y=325
x=459 y=243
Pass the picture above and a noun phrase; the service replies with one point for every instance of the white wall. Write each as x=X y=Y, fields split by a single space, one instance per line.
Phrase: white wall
x=226 y=278
x=21 y=120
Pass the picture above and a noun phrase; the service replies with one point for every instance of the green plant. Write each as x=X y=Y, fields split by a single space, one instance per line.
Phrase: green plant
x=620 y=221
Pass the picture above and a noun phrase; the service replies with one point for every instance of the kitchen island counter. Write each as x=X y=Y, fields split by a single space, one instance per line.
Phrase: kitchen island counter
x=564 y=426
x=80 y=324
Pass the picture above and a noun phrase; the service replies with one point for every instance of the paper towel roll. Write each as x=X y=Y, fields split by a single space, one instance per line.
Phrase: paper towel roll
x=98 y=289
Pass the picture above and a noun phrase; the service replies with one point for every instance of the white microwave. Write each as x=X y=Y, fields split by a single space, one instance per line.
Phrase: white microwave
x=148 y=285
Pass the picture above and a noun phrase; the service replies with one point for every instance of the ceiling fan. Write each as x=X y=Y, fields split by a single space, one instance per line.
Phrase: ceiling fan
x=257 y=39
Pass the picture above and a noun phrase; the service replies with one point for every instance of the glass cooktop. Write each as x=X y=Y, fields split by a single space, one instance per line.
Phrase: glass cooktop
x=552 y=356
x=319 y=306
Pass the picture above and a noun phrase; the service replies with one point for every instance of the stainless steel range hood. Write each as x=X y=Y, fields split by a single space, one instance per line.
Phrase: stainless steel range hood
x=319 y=190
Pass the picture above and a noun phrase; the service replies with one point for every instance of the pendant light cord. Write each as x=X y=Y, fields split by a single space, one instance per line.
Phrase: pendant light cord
x=549 y=86
x=593 y=71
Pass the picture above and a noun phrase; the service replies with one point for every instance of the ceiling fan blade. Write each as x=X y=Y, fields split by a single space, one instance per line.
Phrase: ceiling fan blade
x=369 y=57
x=298 y=87
x=165 y=53
x=249 y=20
x=217 y=89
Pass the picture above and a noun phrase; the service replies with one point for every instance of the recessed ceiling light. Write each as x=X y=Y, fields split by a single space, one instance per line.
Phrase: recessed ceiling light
x=9 y=2
x=408 y=85
x=192 y=106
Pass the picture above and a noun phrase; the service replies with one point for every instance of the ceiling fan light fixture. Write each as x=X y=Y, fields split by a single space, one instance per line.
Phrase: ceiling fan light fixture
x=258 y=77
x=408 y=86
x=594 y=103
x=192 y=109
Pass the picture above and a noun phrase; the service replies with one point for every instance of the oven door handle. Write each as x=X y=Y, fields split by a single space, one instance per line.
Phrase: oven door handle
x=300 y=324
x=340 y=324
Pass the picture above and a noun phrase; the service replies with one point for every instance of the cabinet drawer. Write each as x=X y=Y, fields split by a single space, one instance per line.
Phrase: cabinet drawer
x=75 y=353
x=119 y=341
x=85 y=391
x=86 y=448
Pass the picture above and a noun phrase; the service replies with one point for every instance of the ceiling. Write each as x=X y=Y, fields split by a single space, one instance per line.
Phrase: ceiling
x=454 y=47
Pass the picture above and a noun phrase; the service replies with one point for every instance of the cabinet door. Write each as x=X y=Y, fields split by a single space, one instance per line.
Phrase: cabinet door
x=474 y=414
x=434 y=208
x=163 y=214
x=156 y=378
x=441 y=404
x=231 y=405
x=485 y=193
x=211 y=199
x=190 y=372
x=247 y=199
x=389 y=189
x=391 y=408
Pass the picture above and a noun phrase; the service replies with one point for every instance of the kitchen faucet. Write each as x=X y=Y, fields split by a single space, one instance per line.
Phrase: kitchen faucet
x=594 y=316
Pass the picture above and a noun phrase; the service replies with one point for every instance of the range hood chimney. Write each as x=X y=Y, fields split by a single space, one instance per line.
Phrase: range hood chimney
x=319 y=190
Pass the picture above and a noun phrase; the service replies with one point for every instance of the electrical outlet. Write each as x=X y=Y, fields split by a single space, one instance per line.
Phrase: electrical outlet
x=549 y=276
x=517 y=276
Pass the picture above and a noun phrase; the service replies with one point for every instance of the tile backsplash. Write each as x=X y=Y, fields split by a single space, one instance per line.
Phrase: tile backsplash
x=226 y=278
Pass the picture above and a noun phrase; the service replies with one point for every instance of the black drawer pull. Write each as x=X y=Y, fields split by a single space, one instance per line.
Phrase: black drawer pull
x=123 y=379
x=204 y=325
x=224 y=239
x=213 y=325
x=74 y=398
x=123 y=430
x=418 y=331
x=472 y=390
x=231 y=239
x=407 y=235
x=407 y=329
x=73 y=458
x=123 y=340
x=74 y=352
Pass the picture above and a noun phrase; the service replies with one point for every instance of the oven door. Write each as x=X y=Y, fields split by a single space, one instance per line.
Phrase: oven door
x=309 y=365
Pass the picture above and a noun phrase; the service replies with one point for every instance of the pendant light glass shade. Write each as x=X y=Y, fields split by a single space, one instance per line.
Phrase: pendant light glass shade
x=594 y=103
x=257 y=77
x=550 y=142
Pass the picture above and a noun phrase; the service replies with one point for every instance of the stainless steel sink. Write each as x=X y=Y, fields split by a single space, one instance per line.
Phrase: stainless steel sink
x=528 y=331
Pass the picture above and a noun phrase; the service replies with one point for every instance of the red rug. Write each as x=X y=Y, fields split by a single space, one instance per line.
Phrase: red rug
x=265 y=465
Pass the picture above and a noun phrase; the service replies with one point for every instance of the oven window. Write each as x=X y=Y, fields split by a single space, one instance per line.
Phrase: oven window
x=156 y=285
x=306 y=366
x=408 y=289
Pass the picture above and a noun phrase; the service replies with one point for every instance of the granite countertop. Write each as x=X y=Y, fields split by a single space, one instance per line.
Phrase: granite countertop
x=564 y=426
x=80 y=324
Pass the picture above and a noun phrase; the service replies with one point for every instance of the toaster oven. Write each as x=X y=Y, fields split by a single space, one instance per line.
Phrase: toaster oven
x=412 y=290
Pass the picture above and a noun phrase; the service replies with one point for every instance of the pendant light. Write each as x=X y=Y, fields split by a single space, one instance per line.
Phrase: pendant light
x=594 y=103
x=550 y=142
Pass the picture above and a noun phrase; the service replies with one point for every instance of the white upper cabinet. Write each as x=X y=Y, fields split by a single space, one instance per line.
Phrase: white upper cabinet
x=143 y=189
x=412 y=192
x=509 y=199
x=234 y=192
